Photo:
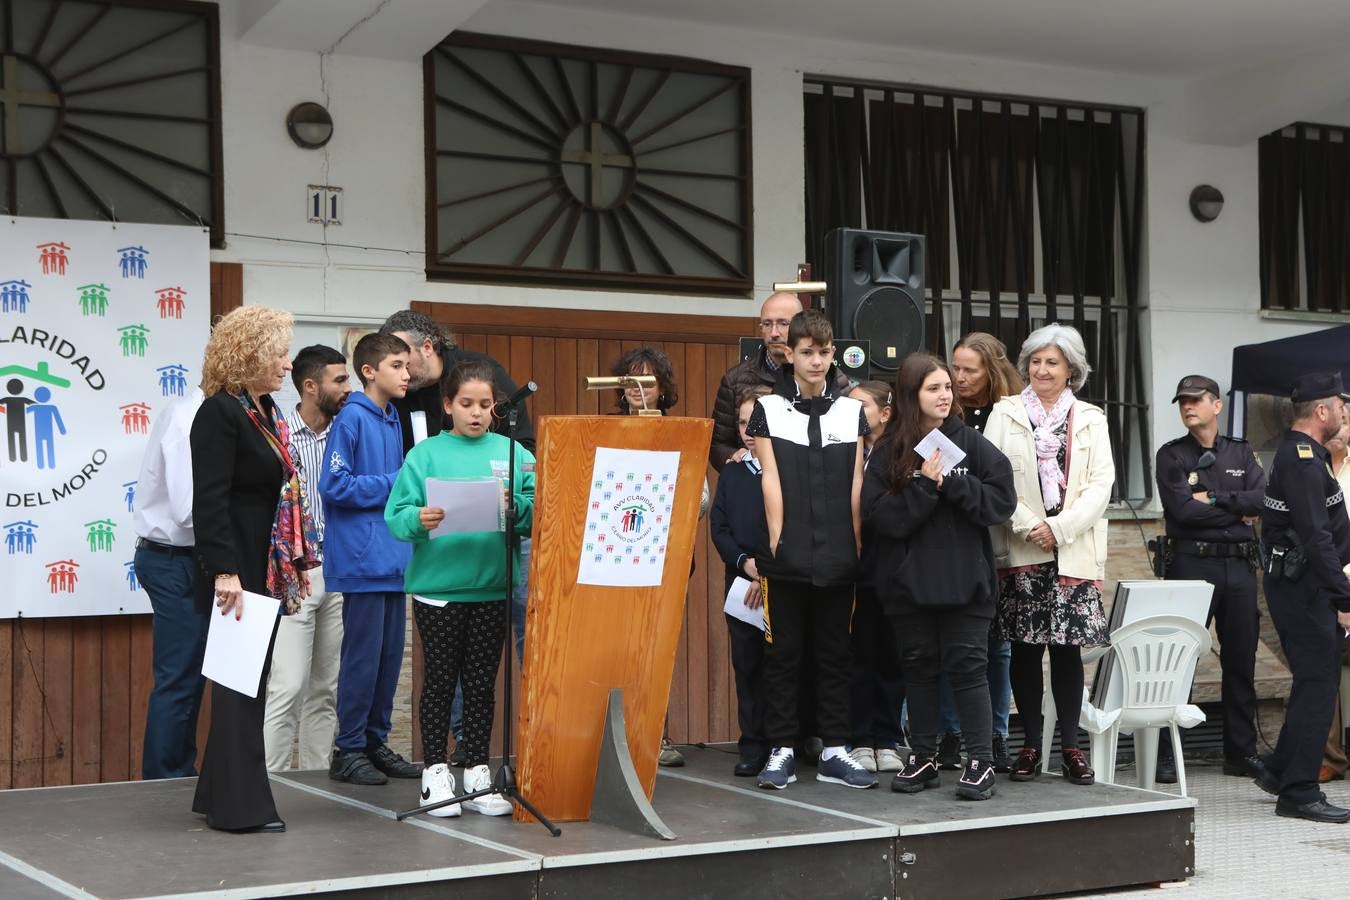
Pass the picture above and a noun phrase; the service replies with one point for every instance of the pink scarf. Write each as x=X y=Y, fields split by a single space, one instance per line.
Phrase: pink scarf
x=1045 y=423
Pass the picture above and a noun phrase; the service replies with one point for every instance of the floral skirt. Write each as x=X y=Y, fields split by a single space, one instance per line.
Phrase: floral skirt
x=1036 y=606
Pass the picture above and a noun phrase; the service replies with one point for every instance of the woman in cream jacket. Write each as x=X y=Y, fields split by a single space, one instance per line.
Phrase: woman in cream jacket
x=1052 y=553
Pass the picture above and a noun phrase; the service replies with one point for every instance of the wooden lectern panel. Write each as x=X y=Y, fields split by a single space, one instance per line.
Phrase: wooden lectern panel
x=580 y=639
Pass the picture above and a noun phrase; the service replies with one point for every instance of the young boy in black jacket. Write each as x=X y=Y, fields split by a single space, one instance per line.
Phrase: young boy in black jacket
x=740 y=534
x=936 y=578
x=810 y=442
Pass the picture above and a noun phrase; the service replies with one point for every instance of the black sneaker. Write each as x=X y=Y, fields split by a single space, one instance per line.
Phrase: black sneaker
x=354 y=767
x=949 y=752
x=1002 y=763
x=917 y=775
x=391 y=764
x=977 y=781
x=457 y=759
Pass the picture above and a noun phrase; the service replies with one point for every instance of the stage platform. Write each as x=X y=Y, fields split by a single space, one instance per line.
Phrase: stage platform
x=140 y=839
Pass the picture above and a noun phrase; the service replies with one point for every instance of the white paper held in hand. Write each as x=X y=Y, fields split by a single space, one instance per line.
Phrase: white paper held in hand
x=235 y=650
x=736 y=608
x=936 y=440
x=470 y=506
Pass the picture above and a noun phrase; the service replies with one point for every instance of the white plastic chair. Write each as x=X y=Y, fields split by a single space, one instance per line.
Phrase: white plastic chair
x=1156 y=658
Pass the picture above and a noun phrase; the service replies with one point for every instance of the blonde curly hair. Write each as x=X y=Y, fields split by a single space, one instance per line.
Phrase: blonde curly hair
x=243 y=344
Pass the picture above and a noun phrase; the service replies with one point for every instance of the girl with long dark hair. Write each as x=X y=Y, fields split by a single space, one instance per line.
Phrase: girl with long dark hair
x=935 y=578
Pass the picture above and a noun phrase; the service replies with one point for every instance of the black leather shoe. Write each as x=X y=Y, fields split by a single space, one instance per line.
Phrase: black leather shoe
x=277 y=827
x=1243 y=766
x=1166 y=772
x=391 y=764
x=354 y=767
x=749 y=764
x=1268 y=781
x=808 y=754
x=1316 y=811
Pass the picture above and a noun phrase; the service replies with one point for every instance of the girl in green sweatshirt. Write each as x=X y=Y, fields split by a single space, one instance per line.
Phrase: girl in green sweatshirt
x=458 y=582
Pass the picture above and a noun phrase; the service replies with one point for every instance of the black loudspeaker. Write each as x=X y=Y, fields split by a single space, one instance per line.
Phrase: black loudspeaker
x=875 y=292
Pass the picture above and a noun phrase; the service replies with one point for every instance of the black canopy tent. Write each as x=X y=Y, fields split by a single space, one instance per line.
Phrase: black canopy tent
x=1271 y=367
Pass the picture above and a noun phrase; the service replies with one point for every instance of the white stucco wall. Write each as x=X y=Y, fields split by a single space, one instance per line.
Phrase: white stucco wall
x=1202 y=280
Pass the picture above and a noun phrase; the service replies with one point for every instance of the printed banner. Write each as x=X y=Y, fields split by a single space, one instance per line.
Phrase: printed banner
x=628 y=517
x=101 y=328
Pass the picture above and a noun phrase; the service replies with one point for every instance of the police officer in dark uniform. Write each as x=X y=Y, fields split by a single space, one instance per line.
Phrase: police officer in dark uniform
x=1305 y=536
x=1212 y=489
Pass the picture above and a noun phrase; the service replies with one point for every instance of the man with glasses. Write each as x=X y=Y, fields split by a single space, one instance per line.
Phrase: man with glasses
x=762 y=368
x=1212 y=489
x=1305 y=537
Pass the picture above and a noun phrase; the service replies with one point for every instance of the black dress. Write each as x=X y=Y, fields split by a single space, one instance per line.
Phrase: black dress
x=237 y=481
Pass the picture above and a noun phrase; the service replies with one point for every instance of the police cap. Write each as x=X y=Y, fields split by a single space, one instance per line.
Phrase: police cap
x=1318 y=386
x=1194 y=386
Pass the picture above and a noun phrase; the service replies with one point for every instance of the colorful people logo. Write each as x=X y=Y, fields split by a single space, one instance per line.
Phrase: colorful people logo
x=132 y=583
x=93 y=299
x=53 y=257
x=172 y=380
x=132 y=340
x=133 y=261
x=135 y=418
x=171 y=302
x=632 y=519
x=62 y=576
x=19 y=537
x=100 y=535
x=130 y=496
x=46 y=417
x=14 y=296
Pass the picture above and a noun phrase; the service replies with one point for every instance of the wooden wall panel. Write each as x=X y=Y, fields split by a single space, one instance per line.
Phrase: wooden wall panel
x=557 y=349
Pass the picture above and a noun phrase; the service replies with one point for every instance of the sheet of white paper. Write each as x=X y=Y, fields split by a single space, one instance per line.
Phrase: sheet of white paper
x=936 y=440
x=235 y=650
x=736 y=608
x=474 y=505
x=418 y=420
x=628 y=517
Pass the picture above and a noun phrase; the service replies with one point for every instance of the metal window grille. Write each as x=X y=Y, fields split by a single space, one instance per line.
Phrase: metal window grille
x=1033 y=213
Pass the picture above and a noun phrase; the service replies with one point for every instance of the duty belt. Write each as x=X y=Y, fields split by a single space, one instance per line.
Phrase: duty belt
x=1213 y=549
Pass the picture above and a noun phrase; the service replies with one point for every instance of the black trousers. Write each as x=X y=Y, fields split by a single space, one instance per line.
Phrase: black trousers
x=232 y=790
x=878 y=681
x=794 y=610
x=1237 y=621
x=461 y=644
x=954 y=642
x=1312 y=639
x=747 y=664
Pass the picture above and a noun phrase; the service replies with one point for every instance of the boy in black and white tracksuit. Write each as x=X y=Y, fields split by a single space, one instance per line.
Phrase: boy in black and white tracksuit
x=809 y=440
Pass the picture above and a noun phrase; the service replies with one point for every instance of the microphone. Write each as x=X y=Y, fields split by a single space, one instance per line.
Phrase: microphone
x=519 y=397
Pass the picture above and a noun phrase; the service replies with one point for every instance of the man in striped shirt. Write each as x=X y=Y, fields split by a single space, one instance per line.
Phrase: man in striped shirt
x=302 y=689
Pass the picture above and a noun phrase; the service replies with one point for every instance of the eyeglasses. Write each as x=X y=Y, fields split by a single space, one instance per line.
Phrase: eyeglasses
x=766 y=324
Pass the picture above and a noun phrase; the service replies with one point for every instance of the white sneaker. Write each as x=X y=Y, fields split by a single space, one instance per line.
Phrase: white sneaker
x=437 y=785
x=889 y=760
x=864 y=757
x=478 y=779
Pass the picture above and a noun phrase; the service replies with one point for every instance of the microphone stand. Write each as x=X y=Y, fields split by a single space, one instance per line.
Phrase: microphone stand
x=504 y=783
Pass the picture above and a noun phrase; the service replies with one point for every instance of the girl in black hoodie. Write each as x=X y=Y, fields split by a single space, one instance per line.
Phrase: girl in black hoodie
x=935 y=575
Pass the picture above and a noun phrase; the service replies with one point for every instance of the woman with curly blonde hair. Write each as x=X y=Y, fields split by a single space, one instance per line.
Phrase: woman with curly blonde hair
x=253 y=535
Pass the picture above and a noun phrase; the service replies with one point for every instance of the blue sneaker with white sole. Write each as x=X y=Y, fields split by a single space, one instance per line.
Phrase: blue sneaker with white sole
x=779 y=771
x=845 y=770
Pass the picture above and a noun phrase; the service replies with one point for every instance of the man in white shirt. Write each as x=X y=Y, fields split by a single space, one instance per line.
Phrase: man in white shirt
x=163 y=562
x=302 y=688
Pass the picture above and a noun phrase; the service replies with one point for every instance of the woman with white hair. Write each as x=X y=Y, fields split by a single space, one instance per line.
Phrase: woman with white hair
x=1052 y=553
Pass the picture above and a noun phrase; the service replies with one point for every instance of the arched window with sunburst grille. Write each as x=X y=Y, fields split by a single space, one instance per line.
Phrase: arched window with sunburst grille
x=570 y=165
x=111 y=110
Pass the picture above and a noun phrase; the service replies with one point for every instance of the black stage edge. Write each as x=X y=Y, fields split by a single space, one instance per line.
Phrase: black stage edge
x=140 y=840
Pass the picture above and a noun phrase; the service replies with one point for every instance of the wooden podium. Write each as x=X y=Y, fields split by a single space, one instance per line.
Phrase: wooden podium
x=582 y=640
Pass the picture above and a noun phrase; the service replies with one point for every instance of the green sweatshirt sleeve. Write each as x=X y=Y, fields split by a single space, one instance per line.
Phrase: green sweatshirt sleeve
x=403 y=511
x=524 y=494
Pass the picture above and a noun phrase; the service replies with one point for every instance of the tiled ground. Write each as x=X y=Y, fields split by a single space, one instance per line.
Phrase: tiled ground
x=1243 y=850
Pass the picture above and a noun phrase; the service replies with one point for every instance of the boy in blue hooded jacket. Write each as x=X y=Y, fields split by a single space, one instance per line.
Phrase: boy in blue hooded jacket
x=364 y=561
